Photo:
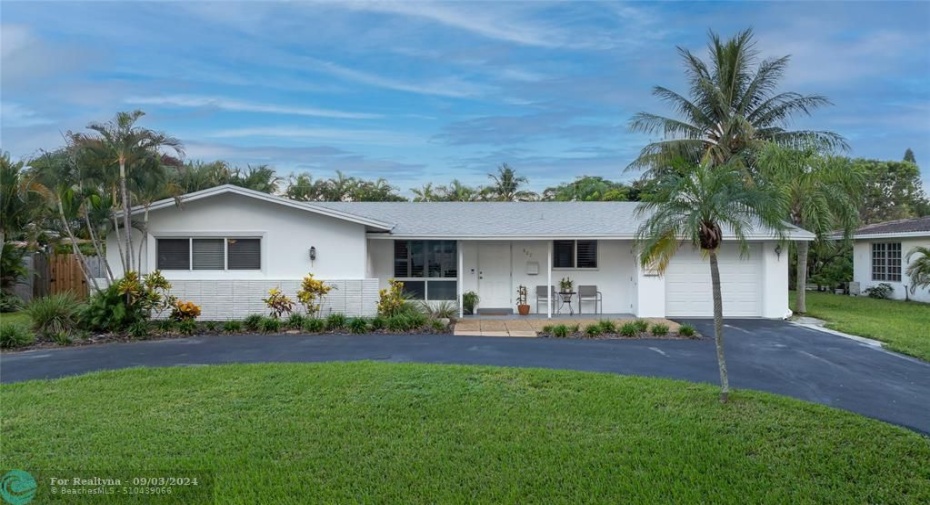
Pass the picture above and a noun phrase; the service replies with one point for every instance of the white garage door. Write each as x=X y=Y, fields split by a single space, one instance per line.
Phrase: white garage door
x=688 y=291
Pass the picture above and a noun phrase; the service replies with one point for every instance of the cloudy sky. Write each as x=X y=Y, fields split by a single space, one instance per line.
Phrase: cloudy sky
x=418 y=91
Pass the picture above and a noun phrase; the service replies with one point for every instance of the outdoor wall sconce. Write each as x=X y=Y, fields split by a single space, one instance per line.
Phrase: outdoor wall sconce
x=312 y=253
x=778 y=251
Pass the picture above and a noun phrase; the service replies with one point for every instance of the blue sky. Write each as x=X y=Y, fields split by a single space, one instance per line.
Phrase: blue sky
x=420 y=91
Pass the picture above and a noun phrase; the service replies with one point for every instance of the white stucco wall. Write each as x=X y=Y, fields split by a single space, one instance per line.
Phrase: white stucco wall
x=287 y=235
x=862 y=267
x=774 y=287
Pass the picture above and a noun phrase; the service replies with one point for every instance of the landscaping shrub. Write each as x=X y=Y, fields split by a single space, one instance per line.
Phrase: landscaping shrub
x=187 y=326
x=335 y=321
x=642 y=326
x=686 y=330
x=358 y=325
x=441 y=310
x=10 y=302
x=417 y=320
x=139 y=329
x=314 y=325
x=629 y=329
x=882 y=291
x=437 y=325
x=127 y=301
x=55 y=314
x=168 y=325
x=278 y=303
x=560 y=331
x=296 y=321
x=62 y=338
x=399 y=322
x=593 y=330
x=232 y=326
x=14 y=335
x=659 y=329
x=185 y=311
x=547 y=329
x=575 y=328
x=270 y=325
x=211 y=326
x=253 y=322
x=607 y=326
x=392 y=300
x=311 y=294
x=377 y=323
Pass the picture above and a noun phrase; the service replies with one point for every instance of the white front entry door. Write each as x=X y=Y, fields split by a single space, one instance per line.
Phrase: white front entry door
x=494 y=275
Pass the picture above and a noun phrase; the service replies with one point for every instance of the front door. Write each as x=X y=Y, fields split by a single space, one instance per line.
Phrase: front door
x=494 y=275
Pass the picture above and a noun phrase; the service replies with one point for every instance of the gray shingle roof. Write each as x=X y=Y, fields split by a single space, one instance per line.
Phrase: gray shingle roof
x=510 y=219
x=909 y=226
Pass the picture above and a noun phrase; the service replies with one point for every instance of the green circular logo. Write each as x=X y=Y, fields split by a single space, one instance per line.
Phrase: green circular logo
x=18 y=487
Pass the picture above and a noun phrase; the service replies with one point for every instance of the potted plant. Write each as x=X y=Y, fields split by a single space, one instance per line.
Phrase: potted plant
x=522 y=307
x=565 y=288
x=469 y=302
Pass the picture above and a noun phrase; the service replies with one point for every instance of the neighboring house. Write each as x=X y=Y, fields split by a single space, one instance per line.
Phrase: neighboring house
x=880 y=255
x=224 y=247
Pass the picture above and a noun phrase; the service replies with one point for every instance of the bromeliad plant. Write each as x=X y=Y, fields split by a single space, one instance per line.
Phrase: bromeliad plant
x=311 y=294
x=566 y=284
x=278 y=303
x=185 y=311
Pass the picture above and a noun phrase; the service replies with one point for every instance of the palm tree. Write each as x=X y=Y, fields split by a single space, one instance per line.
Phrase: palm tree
x=458 y=192
x=261 y=178
x=506 y=186
x=733 y=104
x=698 y=204
x=822 y=195
x=425 y=193
x=919 y=270
x=19 y=204
x=121 y=142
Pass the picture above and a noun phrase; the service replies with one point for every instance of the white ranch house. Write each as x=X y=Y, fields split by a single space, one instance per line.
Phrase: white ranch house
x=225 y=247
x=880 y=256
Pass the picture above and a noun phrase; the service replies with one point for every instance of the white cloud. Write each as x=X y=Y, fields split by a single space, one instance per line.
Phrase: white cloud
x=15 y=115
x=199 y=101
x=378 y=137
x=452 y=87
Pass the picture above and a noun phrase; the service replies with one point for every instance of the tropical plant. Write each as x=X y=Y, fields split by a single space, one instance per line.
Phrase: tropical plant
x=919 y=270
x=55 y=314
x=139 y=329
x=607 y=326
x=12 y=266
x=232 y=326
x=391 y=300
x=660 y=329
x=278 y=303
x=696 y=205
x=335 y=321
x=566 y=284
x=734 y=103
x=821 y=194
x=686 y=330
x=593 y=330
x=588 y=189
x=358 y=325
x=270 y=324
x=880 y=291
x=187 y=326
x=377 y=323
x=641 y=325
x=560 y=331
x=10 y=302
x=295 y=321
x=312 y=325
x=521 y=295
x=470 y=301
x=311 y=294
x=505 y=186
x=253 y=322
x=261 y=178
x=20 y=206
x=121 y=143
x=629 y=329
x=184 y=311
x=14 y=335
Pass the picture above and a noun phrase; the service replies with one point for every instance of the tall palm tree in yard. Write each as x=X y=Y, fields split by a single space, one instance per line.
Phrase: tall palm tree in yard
x=698 y=205
x=506 y=186
x=121 y=143
x=919 y=270
x=821 y=194
x=733 y=103
x=457 y=192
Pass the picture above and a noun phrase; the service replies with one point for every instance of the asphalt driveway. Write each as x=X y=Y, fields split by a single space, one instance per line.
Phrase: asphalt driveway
x=773 y=356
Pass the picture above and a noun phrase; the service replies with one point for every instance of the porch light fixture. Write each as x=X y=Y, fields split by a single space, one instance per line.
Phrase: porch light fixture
x=778 y=251
x=312 y=253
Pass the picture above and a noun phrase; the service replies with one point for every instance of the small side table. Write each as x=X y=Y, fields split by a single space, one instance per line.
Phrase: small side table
x=565 y=298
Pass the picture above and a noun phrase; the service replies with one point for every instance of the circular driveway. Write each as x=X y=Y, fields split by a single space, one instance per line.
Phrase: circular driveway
x=773 y=356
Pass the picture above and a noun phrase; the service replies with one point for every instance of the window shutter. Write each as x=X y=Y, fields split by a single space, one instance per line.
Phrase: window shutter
x=173 y=254
x=244 y=254
x=208 y=254
x=587 y=254
x=401 y=259
x=563 y=253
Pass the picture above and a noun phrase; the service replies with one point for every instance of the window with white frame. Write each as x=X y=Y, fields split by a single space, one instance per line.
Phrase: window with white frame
x=428 y=268
x=886 y=261
x=574 y=253
x=208 y=253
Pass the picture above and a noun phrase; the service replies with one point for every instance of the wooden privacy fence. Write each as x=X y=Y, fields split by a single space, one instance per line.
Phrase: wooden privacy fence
x=65 y=275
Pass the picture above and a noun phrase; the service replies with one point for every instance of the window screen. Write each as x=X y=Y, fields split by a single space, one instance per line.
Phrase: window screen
x=587 y=254
x=244 y=254
x=563 y=254
x=173 y=254
x=208 y=254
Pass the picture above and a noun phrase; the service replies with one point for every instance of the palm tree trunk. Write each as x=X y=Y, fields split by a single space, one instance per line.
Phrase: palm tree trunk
x=82 y=261
x=800 y=302
x=145 y=237
x=126 y=213
x=718 y=327
x=99 y=250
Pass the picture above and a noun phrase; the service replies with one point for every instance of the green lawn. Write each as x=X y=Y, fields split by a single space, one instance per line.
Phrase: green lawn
x=905 y=326
x=404 y=433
